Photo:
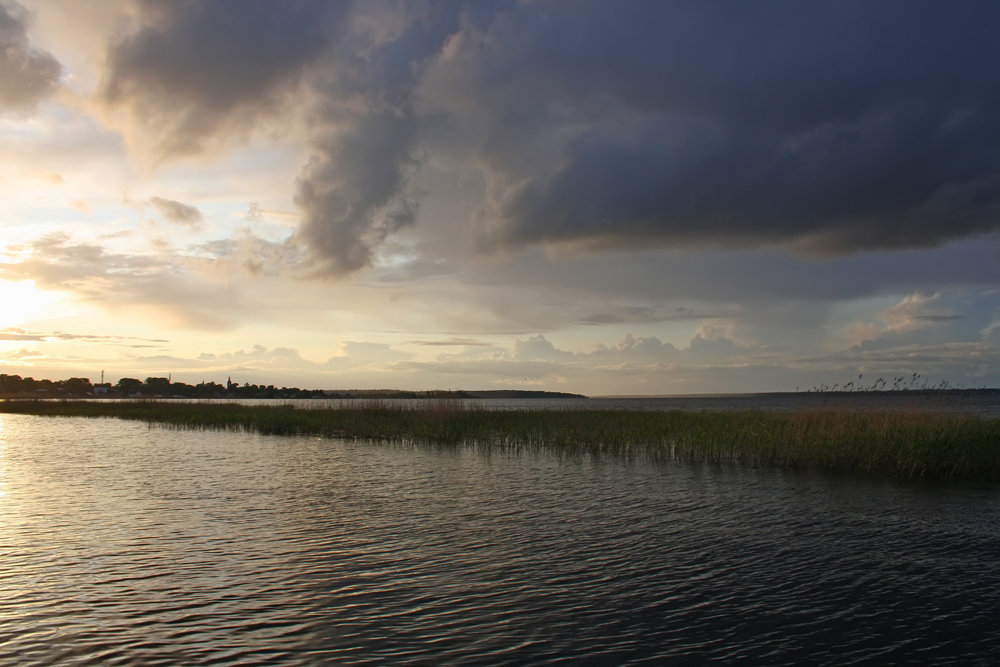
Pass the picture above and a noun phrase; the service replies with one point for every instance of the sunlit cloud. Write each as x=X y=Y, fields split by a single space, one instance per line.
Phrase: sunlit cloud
x=130 y=341
x=173 y=289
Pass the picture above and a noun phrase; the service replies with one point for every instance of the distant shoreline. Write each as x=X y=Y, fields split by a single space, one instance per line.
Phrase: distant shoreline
x=320 y=394
x=438 y=394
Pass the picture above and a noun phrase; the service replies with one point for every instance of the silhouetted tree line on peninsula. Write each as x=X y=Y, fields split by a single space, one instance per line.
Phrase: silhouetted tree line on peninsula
x=15 y=386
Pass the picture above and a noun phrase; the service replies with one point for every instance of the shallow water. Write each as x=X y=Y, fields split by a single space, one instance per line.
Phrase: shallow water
x=985 y=404
x=122 y=543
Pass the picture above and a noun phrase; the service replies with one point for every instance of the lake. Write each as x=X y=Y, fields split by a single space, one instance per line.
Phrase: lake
x=128 y=544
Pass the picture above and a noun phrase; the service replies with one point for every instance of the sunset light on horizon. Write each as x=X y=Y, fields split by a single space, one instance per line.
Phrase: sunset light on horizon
x=628 y=198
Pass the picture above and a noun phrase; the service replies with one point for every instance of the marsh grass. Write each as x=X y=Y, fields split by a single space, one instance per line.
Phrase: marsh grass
x=899 y=444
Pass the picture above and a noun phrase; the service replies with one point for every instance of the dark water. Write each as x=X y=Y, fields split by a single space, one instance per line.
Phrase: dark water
x=121 y=543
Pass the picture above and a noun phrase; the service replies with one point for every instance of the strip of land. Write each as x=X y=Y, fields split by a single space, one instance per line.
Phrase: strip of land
x=897 y=444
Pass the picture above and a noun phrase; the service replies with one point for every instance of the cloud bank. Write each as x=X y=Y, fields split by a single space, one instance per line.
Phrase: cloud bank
x=826 y=129
x=829 y=128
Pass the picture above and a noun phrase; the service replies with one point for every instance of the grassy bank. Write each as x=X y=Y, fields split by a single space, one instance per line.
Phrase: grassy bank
x=914 y=445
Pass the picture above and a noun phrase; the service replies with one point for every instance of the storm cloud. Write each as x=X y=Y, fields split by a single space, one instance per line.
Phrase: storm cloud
x=191 y=72
x=27 y=74
x=353 y=194
x=832 y=128
x=826 y=129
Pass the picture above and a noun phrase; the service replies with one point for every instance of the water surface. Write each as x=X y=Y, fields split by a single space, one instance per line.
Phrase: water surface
x=978 y=403
x=122 y=543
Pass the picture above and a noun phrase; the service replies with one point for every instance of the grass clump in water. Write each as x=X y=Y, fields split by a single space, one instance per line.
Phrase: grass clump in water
x=899 y=444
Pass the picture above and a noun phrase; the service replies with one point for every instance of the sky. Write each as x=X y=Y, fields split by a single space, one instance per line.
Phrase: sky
x=608 y=198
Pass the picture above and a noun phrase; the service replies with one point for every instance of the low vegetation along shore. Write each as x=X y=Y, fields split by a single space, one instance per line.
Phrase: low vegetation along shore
x=899 y=444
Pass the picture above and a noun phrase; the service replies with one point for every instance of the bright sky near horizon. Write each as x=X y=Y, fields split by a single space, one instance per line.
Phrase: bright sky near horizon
x=638 y=197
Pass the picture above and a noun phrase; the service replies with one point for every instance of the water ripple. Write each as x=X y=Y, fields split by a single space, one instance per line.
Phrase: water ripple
x=123 y=544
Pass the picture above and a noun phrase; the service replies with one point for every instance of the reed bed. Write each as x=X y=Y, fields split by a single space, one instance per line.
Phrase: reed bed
x=898 y=444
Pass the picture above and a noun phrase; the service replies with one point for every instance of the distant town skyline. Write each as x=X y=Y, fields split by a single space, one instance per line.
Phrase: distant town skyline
x=605 y=198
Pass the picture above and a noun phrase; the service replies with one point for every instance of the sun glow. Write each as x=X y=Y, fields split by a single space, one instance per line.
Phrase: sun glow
x=21 y=301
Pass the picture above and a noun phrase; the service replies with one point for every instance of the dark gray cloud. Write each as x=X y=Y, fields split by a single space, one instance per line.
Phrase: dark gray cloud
x=176 y=211
x=451 y=342
x=27 y=74
x=350 y=192
x=831 y=128
x=828 y=128
x=633 y=314
x=713 y=278
x=191 y=71
x=353 y=193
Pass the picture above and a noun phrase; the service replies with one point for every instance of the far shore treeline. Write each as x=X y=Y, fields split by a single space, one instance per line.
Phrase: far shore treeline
x=15 y=386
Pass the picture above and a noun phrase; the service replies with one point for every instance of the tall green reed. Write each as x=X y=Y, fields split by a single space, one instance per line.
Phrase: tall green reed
x=899 y=444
